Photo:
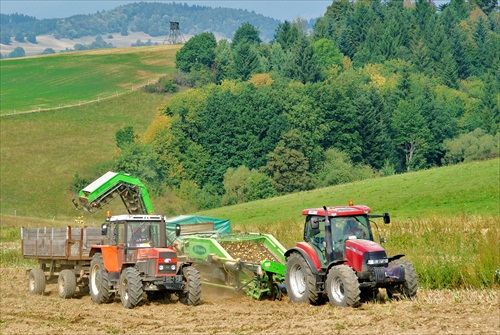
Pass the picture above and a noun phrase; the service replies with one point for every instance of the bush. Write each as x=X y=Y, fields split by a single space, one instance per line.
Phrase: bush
x=338 y=169
x=48 y=51
x=17 y=52
x=242 y=185
x=476 y=145
x=164 y=85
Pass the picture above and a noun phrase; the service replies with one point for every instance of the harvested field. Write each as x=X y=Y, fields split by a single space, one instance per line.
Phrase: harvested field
x=224 y=312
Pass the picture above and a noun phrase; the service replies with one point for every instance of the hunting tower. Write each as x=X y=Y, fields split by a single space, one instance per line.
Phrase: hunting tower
x=175 y=35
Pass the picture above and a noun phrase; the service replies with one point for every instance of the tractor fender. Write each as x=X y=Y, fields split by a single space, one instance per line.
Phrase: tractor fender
x=393 y=258
x=109 y=255
x=335 y=263
x=181 y=266
x=309 y=255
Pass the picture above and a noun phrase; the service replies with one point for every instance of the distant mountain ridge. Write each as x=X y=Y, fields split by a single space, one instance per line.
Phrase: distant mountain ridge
x=142 y=17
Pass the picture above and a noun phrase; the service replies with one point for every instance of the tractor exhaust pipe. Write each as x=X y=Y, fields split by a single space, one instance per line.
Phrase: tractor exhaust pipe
x=328 y=236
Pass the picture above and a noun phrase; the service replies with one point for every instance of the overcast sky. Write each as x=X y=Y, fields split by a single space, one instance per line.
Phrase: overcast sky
x=278 y=9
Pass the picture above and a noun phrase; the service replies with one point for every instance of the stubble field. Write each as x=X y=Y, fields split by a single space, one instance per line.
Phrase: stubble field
x=433 y=312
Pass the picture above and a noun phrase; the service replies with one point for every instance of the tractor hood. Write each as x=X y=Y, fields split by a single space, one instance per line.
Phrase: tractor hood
x=359 y=253
x=360 y=246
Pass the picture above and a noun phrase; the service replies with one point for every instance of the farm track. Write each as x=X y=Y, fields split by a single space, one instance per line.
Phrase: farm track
x=86 y=102
x=433 y=312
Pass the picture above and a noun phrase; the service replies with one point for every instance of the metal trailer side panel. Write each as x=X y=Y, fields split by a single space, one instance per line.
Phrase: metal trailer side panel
x=59 y=243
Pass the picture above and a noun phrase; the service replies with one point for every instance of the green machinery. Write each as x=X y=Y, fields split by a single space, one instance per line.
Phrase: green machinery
x=252 y=263
x=112 y=185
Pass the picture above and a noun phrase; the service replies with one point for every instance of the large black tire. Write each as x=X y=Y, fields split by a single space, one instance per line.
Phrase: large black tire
x=342 y=286
x=99 y=284
x=36 y=281
x=131 y=288
x=300 y=281
x=66 y=284
x=192 y=291
x=409 y=288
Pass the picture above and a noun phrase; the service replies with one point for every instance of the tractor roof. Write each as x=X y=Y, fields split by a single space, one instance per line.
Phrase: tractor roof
x=338 y=211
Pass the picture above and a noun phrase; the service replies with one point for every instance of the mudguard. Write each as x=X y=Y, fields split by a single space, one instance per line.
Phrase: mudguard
x=309 y=254
x=110 y=257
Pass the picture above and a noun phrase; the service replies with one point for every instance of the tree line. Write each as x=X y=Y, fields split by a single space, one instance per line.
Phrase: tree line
x=313 y=110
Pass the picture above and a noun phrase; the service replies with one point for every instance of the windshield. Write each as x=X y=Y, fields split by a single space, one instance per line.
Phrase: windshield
x=143 y=234
x=343 y=228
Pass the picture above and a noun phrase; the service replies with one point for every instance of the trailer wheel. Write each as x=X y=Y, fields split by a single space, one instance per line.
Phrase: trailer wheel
x=36 y=281
x=99 y=285
x=131 y=288
x=342 y=286
x=66 y=284
x=300 y=282
x=409 y=288
x=192 y=292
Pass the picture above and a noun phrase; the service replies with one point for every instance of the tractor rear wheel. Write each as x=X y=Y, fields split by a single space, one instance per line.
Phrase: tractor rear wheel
x=131 y=288
x=342 y=286
x=66 y=284
x=409 y=288
x=99 y=285
x=300 y=281
x=192 y=291
x=36 y=281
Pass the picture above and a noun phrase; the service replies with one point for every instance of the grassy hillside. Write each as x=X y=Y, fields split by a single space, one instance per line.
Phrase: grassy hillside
x=72 y=78
x=471 y=189
x=40 y=152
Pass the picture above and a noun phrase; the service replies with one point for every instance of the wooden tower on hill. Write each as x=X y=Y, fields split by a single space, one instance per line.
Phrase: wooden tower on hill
x=175 y=35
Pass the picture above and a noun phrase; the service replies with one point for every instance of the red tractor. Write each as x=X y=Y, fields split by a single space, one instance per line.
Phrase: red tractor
x=340 y=260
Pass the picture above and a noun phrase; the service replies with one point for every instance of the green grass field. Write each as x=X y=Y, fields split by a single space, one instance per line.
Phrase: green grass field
x=40 y=152
x=470 y=189
x=72 y=78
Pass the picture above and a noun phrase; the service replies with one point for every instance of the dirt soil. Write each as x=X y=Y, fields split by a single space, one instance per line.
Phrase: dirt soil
x=433 y=312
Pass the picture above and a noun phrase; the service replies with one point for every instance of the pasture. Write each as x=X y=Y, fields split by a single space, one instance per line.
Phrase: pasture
x=69 y=79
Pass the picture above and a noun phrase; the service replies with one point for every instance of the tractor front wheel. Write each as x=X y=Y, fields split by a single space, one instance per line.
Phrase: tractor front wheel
x=99 y=285
x=192 y=291
x=409 y=288
x=342 y=286
x=131 y=288
x=300 y=281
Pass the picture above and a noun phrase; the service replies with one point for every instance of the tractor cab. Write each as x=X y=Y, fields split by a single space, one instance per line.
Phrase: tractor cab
x=142 y=231
x=343 y=228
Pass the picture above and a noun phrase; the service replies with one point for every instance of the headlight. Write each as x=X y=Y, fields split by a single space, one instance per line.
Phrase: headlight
x=377 y=261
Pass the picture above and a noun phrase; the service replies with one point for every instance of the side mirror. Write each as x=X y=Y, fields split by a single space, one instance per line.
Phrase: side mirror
x=387 y=218
x=314 y=223
x=104 y=229
x=177 y=230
